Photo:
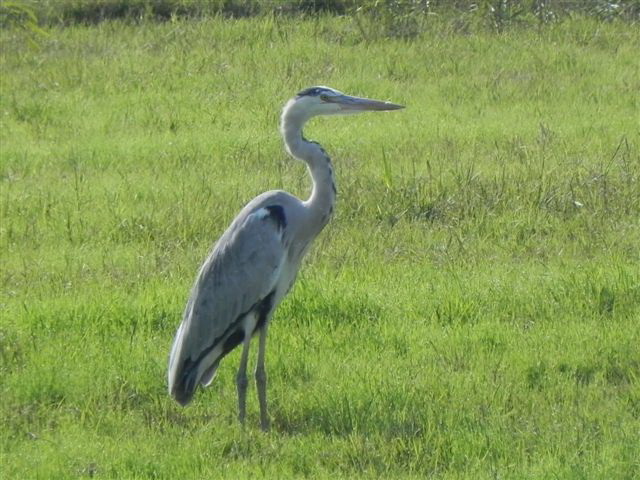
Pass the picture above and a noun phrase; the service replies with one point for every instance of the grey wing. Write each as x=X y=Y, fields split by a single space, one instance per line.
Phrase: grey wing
x=242 y=270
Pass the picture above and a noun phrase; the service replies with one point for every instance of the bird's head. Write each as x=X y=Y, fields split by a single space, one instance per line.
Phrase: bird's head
x=327 y=101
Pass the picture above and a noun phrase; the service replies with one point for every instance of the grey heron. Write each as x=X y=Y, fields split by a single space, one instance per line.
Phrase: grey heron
x=254 y=263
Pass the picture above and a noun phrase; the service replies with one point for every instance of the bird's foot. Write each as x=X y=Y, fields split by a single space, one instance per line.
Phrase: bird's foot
x=265 y=424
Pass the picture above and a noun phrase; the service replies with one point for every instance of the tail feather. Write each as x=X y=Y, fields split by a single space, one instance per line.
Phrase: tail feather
x=184 y=386
x=186 y=373
x=183 y=372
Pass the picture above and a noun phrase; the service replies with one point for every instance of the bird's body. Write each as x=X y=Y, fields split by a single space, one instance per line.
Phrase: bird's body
x=255 y=262
x=258 y=255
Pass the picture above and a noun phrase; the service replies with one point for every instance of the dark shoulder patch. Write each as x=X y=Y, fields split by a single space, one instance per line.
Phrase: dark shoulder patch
x=276 y=212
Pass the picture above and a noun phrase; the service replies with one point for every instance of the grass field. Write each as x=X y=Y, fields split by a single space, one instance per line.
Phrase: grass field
x=471 y=312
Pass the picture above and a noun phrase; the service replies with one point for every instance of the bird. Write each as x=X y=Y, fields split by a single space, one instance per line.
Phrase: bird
x=254 y=264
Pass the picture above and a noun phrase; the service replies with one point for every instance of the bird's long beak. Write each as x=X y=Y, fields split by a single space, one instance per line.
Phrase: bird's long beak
x=355 y=104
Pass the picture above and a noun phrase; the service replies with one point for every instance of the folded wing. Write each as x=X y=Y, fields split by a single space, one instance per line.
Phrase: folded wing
x=238 y=277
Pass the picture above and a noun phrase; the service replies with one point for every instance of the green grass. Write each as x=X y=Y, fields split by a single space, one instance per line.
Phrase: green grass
x=471 y=311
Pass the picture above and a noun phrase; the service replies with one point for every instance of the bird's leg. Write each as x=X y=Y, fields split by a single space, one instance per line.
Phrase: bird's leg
x=261 y=379
x=241 y=380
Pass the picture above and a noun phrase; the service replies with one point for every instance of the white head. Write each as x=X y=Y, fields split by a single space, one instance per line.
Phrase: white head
x=327 y=101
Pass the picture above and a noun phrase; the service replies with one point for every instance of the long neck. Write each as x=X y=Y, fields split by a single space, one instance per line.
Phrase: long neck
x=323 y=194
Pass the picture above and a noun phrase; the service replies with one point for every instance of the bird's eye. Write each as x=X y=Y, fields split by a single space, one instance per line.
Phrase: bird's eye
x=324 y=98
